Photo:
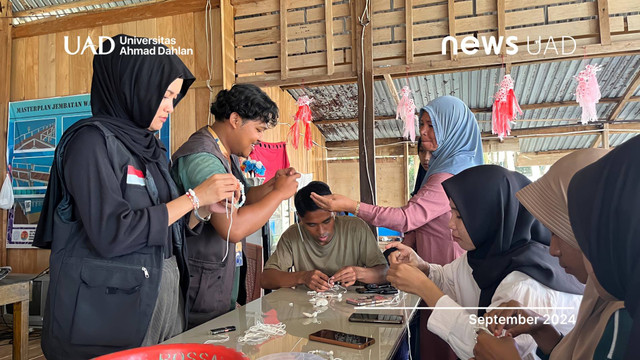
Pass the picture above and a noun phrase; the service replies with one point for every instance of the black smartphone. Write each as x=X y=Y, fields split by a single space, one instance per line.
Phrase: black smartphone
x=376 y=318
x=342 y=339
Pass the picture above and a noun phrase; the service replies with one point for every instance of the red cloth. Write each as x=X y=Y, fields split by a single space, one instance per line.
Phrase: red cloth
x=272 y=155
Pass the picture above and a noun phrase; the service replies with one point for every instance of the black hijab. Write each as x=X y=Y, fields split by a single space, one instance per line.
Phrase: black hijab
x=126 y=92
x=506 y=236
x=604 y=209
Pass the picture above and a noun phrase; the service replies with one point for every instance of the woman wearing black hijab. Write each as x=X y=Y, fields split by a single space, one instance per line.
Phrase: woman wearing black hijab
x=507 y=258
x=112 y=215
x=604 y=208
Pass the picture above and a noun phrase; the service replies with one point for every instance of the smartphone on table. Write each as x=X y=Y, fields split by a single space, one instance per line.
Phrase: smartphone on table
x=342 y=339
x=376 y=318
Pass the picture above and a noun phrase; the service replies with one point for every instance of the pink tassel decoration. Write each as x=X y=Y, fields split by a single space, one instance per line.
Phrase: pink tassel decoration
x=505 y=107
x=406 y=111
x=588 y=92
x=303 y=114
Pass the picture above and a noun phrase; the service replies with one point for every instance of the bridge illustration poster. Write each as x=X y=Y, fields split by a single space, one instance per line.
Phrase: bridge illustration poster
x=34 y=129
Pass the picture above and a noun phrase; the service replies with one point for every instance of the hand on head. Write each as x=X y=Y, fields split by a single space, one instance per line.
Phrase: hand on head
x=334 y=202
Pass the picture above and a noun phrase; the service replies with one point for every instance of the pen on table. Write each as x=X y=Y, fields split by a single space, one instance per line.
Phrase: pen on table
x=222 y=330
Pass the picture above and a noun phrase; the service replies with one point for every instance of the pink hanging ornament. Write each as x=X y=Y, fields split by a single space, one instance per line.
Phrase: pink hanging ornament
x=588 y=92
x=504 y=108
x=406 y=111
x=303 y=114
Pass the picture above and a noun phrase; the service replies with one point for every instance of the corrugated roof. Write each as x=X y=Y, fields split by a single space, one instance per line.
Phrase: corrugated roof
x=551 y=82
x=26 y=5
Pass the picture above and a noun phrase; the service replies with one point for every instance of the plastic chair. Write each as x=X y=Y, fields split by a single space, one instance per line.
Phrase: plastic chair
x=176 y=351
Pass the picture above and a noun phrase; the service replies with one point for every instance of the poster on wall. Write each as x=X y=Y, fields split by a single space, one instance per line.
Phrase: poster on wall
x=34 y=129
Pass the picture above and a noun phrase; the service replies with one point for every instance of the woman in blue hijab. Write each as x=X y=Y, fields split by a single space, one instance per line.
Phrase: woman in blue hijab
x=450 y=132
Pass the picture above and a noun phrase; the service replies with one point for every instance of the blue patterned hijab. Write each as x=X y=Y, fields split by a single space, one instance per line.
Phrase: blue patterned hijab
x=457 y=134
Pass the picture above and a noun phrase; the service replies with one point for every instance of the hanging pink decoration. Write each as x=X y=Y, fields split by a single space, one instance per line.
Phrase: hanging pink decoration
x=303 y=114
x=406 y=111
x=588 y=92
x=505 y=107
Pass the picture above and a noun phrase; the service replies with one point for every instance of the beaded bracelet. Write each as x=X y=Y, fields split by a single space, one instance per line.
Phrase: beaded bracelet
x=357 y=209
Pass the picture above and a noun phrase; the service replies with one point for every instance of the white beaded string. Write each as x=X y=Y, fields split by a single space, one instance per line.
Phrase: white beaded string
x=261 y=332
x=229 y=213
x=219 y=338
x=327 y=354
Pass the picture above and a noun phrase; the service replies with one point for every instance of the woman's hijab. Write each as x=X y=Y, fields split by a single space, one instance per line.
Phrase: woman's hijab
x=457 y=134
x=126 y=92
x=604 y=209
x=546 y=199
x=506 y=236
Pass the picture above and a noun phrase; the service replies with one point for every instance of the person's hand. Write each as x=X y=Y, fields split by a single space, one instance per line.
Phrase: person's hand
x=405 y=277
x=406 y=255
x=216 y=188
x=286 y=185
x=334 y=202
x=316 y=280
x=519 y=327
x=285 y=172
x=495 y=348
x=347 y=276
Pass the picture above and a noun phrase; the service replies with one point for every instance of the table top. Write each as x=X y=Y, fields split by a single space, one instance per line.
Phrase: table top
x=287 y=305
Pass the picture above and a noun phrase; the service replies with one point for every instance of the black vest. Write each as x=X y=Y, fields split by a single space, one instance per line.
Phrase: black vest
x=97 y=305
x=211 y=283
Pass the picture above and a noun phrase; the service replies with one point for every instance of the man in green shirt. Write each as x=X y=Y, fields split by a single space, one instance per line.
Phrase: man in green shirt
x=242 y=114
x=323 y=249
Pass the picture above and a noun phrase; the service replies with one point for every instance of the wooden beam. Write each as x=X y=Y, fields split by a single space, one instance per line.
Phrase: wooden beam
x=494 y=145
x=284 y=54
x=452 y=28
x=328 y=22
x=355 y=143
x=603 y=22
x=5 y=92
x=596 y=142
x=110 y=16
x=502 y=33
x=565 y=130
x=488 y=145
x=522 y=57
x=405 y=160
x=354 y=36
x=541 y=158
x=408 y=23
x=392 y=89
x=66 y=6
x=366 y=117
x=625 y=98
x=605 y=136
x=227 y=37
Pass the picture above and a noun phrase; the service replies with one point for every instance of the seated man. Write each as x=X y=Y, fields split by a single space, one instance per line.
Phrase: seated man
x=324 y=248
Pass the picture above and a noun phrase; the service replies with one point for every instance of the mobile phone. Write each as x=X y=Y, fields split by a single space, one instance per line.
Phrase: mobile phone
x=376 y=318
x=342 y=339
x=367 y=300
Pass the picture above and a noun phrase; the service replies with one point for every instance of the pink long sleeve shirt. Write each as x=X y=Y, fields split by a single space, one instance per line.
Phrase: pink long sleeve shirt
x=428 y=213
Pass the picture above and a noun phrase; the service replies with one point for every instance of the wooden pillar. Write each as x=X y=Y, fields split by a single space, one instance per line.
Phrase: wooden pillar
x=284 y=54
x=5 y=89
x=405 y=160
x=605 y=136
x=227 y=27
x=366 y=143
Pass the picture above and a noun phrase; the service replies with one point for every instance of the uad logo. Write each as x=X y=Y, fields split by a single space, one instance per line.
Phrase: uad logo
x=88 y=44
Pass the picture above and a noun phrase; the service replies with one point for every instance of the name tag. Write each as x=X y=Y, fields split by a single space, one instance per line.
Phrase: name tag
x=239 y=254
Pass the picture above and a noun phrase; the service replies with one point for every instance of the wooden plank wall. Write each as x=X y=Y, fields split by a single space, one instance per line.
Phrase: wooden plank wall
x=343 y=178
x=259 y=39
x=40 y=68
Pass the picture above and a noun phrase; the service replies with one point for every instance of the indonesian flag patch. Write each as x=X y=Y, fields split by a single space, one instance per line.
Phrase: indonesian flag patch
x=135 y=176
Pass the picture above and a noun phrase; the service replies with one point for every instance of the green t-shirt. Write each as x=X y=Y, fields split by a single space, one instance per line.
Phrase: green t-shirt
x=353 y=244
x=189 y=172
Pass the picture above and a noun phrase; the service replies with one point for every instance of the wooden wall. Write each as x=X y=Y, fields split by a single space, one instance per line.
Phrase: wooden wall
x=343 y=178
x=41 y=68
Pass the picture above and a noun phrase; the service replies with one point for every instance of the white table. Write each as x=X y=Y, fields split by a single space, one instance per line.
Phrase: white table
x=287 y=305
